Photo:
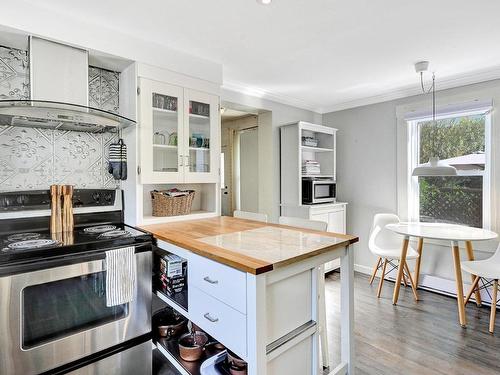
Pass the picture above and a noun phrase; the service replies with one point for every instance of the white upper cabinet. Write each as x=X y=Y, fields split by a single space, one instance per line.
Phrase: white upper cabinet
x=179 y=132
x=201 y=137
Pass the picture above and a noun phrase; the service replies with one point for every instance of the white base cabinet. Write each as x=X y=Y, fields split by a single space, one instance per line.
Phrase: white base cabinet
x=332 y=213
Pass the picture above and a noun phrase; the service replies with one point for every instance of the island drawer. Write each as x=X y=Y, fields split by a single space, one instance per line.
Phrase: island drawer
x=224 y=323
x=220 y=281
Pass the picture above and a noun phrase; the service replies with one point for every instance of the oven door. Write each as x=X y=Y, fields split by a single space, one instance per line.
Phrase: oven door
x=56 y=315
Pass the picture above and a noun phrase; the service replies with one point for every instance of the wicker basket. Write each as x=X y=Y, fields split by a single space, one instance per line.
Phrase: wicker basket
x=164 y=205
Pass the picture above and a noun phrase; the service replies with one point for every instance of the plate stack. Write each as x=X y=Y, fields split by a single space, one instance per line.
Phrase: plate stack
x=311 y=167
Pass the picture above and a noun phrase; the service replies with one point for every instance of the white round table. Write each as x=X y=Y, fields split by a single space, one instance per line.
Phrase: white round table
x=440 y=231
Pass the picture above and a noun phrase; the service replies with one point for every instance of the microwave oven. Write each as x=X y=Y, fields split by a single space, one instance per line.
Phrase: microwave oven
x=318 y=190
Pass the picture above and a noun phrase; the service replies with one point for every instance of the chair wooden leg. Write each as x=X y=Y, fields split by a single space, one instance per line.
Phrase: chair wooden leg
x=377 y=266
x=381 y=282
x=494 y=298
x=412 y=282
x=399 y=276
x=405 y=280
x=470 y=256
x=472 y=289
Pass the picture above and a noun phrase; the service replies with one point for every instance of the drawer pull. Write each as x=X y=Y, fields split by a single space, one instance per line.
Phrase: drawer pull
x=209 y=280
x=209 y=318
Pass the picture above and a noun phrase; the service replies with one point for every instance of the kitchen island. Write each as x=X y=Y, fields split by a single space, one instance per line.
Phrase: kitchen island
x=254 y=287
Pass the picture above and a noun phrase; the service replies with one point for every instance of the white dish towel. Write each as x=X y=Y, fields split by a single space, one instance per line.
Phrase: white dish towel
x=121 y=276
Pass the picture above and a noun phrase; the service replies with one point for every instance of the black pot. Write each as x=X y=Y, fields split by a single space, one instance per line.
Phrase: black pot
x=169 y=323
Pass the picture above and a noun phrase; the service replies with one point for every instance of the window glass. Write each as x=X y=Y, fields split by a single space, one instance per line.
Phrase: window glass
x=460 y=142
x=453 y=138
x=457 y=199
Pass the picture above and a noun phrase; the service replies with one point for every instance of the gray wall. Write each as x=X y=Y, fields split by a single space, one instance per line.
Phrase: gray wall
x=249 y=170
x=367 y=170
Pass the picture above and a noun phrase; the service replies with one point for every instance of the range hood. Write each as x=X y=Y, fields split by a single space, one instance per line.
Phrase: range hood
x=59 y=93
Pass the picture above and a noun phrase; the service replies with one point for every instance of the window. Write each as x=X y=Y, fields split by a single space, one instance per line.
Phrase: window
x=460 y=140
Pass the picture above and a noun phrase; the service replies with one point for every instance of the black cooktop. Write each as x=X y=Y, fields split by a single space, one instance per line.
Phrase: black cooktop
x=29 y=245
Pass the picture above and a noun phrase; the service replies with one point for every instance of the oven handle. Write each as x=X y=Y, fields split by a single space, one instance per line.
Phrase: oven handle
x=65 y=260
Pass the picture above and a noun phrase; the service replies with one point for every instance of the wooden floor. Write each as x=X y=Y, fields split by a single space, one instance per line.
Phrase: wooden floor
x=421 y=338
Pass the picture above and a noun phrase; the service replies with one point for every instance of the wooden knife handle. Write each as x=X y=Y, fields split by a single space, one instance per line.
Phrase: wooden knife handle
x=55 y=209
x=67 y=214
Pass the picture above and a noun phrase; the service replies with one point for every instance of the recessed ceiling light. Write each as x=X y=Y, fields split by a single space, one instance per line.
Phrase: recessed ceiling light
x=264 y=2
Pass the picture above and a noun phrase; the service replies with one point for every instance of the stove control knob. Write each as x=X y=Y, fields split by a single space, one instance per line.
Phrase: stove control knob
x=22 y=199
x=108 y=197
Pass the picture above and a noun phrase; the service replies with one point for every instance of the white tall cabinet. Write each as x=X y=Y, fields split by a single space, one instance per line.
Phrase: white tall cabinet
x=293 y=154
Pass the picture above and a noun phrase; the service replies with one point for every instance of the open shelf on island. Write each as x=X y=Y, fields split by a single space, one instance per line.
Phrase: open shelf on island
x=170 y=349
x=162 y=366
x=178 y=301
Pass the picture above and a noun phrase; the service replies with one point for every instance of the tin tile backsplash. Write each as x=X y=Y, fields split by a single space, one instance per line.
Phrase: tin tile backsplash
x=36 y=158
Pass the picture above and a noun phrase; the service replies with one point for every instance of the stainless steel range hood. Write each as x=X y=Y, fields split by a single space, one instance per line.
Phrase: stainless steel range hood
x=59 y=93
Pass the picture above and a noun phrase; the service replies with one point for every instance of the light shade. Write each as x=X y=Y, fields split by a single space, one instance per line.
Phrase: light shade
x=434 y=168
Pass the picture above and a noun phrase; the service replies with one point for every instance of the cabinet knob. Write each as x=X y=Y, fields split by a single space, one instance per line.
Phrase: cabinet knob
x=209 y=280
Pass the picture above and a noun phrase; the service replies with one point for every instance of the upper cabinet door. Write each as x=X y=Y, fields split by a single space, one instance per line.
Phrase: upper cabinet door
x=201 y=137
x=162 y=132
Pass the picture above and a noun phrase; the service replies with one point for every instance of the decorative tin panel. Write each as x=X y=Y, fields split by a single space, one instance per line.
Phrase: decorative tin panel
x=14 y=74
x=104 y=89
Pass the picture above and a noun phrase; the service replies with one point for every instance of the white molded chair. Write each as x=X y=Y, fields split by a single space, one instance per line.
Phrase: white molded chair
x=255 y=216
x=386 y=245
x=323 y=334
x=487 y=272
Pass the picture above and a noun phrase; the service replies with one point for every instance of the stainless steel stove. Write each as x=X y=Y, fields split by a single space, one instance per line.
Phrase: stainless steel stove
x=53 y=288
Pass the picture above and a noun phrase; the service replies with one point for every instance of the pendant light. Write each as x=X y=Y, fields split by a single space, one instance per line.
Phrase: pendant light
x=434 y=167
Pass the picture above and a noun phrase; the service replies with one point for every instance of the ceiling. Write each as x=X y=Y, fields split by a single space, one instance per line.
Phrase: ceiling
x=233 y=114
x=317 y=54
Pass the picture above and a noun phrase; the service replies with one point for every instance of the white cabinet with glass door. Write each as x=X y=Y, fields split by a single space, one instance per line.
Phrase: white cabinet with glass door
x=179 y=134
x=161 y=132
x=202 y=129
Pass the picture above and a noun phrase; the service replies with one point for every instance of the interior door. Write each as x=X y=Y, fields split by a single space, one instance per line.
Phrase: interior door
x=162 y=135
x=201 y=137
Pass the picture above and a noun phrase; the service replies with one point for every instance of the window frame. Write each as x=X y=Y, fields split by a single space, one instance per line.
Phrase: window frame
x=413 y=156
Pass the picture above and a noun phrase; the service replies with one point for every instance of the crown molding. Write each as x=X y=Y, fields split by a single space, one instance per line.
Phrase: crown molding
x=267 y=95
x=459 y=80
x=444 y=84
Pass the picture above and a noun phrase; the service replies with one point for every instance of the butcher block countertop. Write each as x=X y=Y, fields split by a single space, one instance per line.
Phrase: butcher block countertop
x=249 y=246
